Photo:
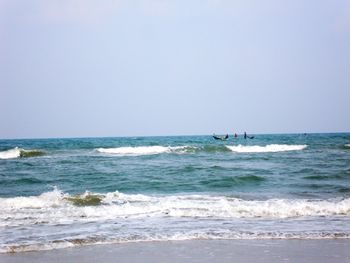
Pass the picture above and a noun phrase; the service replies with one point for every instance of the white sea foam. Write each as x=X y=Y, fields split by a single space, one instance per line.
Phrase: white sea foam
x=46 y=221
x=143 y=150
x=54 y=198
x=267 y=148
x=56 y=207
x=10 y=154
x=18 y=152
x=178 y=236
x=347 y=145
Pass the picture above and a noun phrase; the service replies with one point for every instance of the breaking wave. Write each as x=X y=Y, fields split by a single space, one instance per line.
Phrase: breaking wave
x=150 y=150
x=58 y=220
x=267 y=148
x=18 y=152
x=9 y=154
x=145 y=150
x=56 y=206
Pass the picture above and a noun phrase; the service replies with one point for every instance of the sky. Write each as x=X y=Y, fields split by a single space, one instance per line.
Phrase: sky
x=92 y=68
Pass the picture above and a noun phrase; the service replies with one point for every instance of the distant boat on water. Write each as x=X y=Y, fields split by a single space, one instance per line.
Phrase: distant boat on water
x=222 y=138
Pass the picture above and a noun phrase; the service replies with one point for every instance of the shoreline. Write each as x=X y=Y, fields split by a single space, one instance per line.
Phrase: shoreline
x=204 y=251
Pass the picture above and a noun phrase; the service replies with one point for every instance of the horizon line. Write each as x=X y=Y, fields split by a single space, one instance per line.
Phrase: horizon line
x=181 y=135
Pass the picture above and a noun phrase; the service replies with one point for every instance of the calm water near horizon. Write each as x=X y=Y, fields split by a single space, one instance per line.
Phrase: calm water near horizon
x=57 y=193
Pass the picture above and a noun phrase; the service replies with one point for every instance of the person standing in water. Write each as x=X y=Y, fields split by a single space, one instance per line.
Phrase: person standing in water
x=246 y=136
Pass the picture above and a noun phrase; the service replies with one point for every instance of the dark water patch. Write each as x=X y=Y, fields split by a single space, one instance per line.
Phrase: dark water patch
x=28 y=181
x=305 y=171
x=192 y=168
x=343 y=175
x=69 y=161
x=250 y=178
x=218 y=168
x=345 y=147
x=323 y=188
x=189 y=169
x=305 y=194
x=29 y=164
x=86 y=199
x=31 y=153
x=22 y=182
x=232 y=181
x=316 y=177
x=343 y=189
x=247 y=180
x=319 y=186
x=251 y=157
x=214 y=148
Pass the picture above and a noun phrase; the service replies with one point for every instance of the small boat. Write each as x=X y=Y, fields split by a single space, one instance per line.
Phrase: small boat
x=222 y=138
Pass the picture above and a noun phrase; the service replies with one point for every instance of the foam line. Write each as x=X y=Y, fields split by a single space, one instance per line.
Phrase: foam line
x=267 y=148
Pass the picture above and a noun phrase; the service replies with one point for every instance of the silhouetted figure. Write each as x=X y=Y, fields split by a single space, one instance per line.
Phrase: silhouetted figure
x=222 y=138
x=246 y=136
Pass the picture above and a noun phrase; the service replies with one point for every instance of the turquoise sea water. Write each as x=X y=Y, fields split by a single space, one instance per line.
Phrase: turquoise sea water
x=68 y=192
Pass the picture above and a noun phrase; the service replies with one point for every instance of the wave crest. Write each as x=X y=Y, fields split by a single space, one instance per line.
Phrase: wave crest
x=144 y=150
x=57 y=206
x=18 y=152
x=267 y=148
x=10 y=154
x=65 y=220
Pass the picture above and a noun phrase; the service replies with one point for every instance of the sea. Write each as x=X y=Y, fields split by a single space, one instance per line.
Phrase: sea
x=59 y=193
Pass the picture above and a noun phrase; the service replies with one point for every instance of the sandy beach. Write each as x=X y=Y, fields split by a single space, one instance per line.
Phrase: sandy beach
x=241 y=251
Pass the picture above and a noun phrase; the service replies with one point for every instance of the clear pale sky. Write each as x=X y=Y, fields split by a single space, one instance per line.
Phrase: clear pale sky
x=78 y=68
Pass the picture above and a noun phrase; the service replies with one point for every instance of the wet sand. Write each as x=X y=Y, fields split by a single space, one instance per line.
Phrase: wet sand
x=204 y=251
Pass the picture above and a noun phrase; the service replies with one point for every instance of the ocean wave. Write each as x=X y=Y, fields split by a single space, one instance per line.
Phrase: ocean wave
x=58 y=220
x=18 y=152
x=145 y=150
x=10 y=154
x=267 y=148
x=347 y=145
x=57 y=207
x=208 y=148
